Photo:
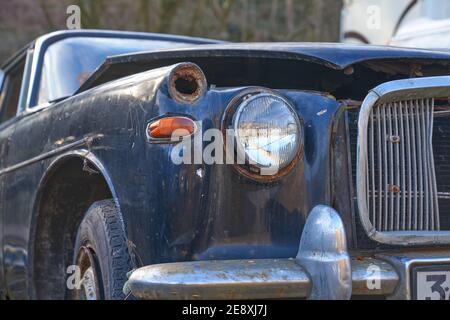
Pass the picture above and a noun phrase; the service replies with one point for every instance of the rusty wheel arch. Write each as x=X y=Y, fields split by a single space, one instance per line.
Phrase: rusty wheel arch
x=71 y=183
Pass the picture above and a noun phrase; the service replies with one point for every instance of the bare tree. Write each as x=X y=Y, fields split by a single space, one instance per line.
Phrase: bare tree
x=167 y=11
x=46 y=12
x=92 y=12
x=235 y=20
x=222 y=10
x=273 y=14
x=197 y=15
x=289 y=8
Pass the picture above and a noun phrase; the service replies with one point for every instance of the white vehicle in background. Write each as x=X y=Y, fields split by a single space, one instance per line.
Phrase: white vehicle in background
x=425 y=33
x=402 y=23
x=430 y=31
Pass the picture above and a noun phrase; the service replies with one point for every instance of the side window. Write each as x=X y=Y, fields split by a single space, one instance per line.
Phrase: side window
x=11 y=92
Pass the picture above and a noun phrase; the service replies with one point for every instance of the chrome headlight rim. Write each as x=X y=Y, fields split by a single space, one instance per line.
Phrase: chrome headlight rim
x=248 y=170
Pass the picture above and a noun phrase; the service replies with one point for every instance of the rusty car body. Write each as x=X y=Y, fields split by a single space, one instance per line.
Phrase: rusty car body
x=361 y=210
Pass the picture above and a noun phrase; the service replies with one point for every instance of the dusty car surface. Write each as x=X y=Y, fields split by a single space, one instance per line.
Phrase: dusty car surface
x=336 y=184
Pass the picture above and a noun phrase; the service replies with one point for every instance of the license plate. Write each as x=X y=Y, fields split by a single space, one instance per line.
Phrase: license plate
x=431 y=283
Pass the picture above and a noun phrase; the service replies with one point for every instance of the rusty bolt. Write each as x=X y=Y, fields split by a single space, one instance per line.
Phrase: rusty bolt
x=349 y=71
x=395 y=139
x=394 y=188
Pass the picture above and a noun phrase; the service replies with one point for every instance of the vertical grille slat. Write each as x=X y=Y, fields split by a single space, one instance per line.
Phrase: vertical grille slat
x=380 y=173
x=435 y=214
x=414 y=164
x=400 y=182
x=372 y=170
x=408 y=161
x=391 y=169
x=403 y=164
x=427 y=176
x=383 y=187
x=419 y=165
x=397 y=168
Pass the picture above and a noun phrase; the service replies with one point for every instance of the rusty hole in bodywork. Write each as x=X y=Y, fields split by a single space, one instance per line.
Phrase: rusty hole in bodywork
x=187 y=83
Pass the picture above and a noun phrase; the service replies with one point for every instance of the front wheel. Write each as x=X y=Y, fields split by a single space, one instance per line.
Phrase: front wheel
x=101 y=254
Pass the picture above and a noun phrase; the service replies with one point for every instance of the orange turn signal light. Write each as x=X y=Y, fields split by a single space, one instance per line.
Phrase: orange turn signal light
x=171 y=127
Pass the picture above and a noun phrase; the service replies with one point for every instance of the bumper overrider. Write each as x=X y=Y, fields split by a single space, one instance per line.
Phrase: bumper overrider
x=323 y=269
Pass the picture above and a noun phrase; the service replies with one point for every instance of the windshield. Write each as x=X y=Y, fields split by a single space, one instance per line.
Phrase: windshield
x=69 y=62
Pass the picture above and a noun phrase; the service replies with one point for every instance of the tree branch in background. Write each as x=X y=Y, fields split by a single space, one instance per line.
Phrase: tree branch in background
x=289 y=9
x=144 y=16
x=197 y=15
x=43 y=4
x=91 y=12
x=167 y=11
x=235 y=20
x=273 y=15
x=222 y=10
x=319 y=21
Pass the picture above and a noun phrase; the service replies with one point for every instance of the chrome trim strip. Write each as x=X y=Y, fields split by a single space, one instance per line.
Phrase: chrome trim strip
x=21 y=107
x=408 y=89
x=85 y=141
x=415 y=88
x=443 y=195
x=435 y=216
x=2 y=77
x=2 y=88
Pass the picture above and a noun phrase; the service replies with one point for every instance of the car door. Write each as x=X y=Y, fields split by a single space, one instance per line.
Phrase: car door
x=10 y=90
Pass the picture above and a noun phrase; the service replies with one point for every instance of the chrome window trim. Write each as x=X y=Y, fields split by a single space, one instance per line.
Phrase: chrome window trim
x=2 y=88
x=2 y=77
x=400 y=89
x=22 y=106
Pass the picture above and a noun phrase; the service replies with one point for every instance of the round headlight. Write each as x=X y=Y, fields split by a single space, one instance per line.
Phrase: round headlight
x=268 y=133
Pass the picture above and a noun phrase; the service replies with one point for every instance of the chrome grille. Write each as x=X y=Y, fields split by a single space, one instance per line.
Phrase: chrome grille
x=400 y=180
x=395 y=170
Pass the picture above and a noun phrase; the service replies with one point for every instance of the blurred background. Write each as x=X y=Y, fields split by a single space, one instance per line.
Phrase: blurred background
x=414 y=23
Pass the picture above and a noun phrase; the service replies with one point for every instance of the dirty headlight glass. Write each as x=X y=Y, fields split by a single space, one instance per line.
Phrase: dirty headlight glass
x=268 y=133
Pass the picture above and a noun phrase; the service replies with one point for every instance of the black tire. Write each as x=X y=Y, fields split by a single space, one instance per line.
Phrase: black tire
x=101 y=234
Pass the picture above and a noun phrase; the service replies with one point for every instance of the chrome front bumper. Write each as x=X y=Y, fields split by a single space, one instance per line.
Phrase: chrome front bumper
x=323 y=269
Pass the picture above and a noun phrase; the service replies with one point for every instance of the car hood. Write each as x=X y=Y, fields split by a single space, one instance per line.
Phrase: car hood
x=333 y=55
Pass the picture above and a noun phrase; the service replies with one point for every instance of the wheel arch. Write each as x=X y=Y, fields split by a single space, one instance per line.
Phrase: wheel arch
x=70 y=184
